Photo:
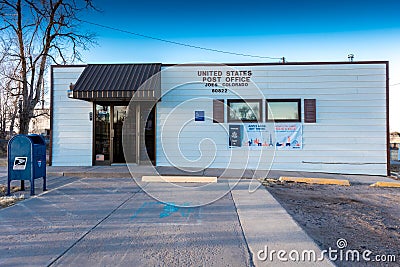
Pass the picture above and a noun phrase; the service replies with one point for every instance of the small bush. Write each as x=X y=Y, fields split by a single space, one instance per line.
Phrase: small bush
x=3 y=147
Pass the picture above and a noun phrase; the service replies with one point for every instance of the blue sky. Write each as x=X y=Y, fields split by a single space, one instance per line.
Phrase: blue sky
x=308 y=30
x=205 y=18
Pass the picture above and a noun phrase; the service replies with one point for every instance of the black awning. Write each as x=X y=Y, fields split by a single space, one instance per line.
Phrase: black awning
x=118 y=82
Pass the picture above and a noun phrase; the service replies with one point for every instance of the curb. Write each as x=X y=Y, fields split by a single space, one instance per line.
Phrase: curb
x=386 y=184
x=315 y=180
x=92 y=174
x=180 y=179
x=55 y=174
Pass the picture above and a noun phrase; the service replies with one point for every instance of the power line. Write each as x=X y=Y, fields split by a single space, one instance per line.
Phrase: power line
x=177 y=43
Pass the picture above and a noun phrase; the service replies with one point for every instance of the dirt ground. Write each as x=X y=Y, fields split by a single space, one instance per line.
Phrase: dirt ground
x=367 y=218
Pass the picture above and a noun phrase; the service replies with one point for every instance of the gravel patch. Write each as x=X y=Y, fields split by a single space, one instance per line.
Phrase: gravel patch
x=367 y=218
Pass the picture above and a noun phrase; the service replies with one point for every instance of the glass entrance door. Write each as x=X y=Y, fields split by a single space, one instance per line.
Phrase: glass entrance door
x=150 y=136
x=119 y=115
x=102 y=135
x=109 y=121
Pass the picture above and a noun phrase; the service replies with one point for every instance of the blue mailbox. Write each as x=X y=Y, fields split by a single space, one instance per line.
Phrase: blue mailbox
x=26 y=160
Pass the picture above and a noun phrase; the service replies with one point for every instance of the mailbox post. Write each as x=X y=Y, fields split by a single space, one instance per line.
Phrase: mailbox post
x=26 y=160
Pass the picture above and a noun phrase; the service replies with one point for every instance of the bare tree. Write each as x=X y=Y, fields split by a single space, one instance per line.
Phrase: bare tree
x=9 y=95
x=37 y=34
x=9 y=108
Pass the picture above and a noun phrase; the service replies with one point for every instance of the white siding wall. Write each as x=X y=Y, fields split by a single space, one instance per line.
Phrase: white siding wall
x=72 y=130
x=350 y=127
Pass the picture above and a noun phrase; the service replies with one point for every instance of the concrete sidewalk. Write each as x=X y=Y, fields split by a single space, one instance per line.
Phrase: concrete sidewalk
x=140 y=170
x=122 y=171
x=113 y=222
x=137 y=171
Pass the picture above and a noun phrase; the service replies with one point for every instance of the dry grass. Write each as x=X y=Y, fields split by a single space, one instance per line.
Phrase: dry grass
x=3 y=161
x=6 y=201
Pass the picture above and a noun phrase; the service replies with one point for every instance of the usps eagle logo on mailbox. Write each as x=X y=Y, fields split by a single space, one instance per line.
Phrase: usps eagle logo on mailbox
x=20 y=163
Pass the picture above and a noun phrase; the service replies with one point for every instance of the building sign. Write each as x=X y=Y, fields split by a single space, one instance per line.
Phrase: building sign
x=199 y=115
x=228 y=78
x=235 y=135
x=20 y=163
x=288 y=136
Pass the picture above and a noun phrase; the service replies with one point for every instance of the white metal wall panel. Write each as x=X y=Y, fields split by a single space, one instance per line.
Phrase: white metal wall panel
x=348 y=137
x=72 y=130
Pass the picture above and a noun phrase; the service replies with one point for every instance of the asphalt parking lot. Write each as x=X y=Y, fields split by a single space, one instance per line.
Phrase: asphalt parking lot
x=106 y=222
x=113 y=222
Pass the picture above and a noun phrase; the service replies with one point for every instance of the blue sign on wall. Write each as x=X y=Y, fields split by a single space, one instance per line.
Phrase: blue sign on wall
x=199 y=115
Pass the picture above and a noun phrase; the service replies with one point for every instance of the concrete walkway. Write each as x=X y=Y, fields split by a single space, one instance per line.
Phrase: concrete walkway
x=267 y=227
x=100 y=216
x=112 y=222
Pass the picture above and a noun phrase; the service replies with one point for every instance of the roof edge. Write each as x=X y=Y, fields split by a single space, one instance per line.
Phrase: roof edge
x=280 y=63
x=68 y=66
x=237 y=63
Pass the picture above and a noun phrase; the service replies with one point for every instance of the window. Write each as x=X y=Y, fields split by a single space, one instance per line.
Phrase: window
x=284 y=110
x=244 y=110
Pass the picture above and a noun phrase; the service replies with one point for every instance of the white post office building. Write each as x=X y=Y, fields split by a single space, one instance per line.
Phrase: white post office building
x=308 y=116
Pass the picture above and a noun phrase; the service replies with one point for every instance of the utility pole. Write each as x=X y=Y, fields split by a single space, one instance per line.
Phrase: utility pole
x=350 y=57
